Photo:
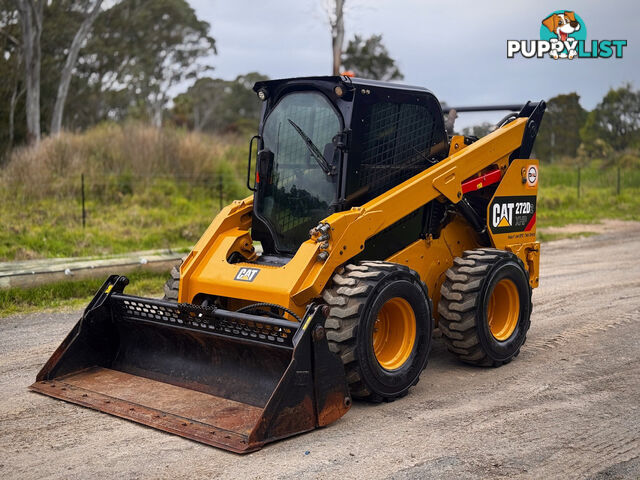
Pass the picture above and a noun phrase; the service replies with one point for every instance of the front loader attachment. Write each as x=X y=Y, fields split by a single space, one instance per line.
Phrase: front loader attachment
x=227 y=379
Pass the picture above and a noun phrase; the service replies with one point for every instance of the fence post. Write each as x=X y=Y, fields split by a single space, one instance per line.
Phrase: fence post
x=220 y=188
x=84 y=212
x=578 y=182
x=618 y=184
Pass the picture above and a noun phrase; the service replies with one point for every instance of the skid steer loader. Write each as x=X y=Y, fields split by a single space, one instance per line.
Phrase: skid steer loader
x=375 y=228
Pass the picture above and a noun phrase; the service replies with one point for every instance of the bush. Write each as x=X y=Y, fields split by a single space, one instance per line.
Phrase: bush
x=116 y=159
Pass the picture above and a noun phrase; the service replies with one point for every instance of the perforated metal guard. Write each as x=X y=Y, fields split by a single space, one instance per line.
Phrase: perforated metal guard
x=210 y=320
x=398 y=138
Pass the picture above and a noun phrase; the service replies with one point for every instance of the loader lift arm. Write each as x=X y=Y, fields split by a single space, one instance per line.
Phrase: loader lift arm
x=351 y=229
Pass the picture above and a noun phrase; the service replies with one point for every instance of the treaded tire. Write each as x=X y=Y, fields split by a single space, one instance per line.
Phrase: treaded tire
x=465 y=296
x=172 y=285
x=355 y=298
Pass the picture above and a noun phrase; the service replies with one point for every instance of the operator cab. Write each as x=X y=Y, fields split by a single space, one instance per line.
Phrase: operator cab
x=327 y=144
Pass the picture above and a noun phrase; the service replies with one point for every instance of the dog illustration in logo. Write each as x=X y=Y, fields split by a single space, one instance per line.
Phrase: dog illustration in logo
x=562 y=25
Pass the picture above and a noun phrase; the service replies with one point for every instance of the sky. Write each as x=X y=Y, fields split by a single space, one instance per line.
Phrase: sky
x=455 y=49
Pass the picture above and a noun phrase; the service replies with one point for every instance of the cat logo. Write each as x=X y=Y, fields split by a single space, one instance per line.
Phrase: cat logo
x=502 y=214
x=247 y=274
x=512 y=214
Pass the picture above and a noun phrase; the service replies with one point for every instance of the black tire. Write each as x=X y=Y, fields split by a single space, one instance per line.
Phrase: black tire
x=465 y=301
x=356 y=298
x=172 y=285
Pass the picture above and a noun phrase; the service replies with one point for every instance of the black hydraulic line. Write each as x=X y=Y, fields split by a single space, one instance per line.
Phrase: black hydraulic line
x=257 y=306
x=471 y=216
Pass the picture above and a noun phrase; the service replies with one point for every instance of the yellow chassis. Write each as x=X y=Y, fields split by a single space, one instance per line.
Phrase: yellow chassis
x=207 y=271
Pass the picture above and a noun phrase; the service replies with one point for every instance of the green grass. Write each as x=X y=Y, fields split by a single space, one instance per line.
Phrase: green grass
x=164 y=214
x=590 y=177
x=560 y=206
x=126 y=213
x=74 y=294
x=558 y=202
x=548 y=237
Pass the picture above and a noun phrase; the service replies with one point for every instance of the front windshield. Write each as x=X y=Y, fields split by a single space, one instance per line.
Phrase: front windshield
x=300 y=191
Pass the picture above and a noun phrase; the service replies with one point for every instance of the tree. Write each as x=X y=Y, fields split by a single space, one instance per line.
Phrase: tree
x=485 y=128
x=31 y=23
x=334 y=10
x=612 y=129
x=559 y=135
x=11 y=71
x=125 y=64
x=616 y=119
x=199 y=106
x=90 y=14
x=369 y=58
x=213 y=104
x=148 y=47
x=243 y=106
x=40 y=37
x=61 y=22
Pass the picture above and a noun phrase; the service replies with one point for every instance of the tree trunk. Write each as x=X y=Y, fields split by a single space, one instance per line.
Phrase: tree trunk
x=156 y=119
x=337 y=36
x=12 y=109
x=69 y=64
x=155 y=107
x=196 y=118
x=15 y=96
x=16 y=93
x=31 y=22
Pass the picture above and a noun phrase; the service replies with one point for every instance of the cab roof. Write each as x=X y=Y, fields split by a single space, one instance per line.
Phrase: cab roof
x=334 y=79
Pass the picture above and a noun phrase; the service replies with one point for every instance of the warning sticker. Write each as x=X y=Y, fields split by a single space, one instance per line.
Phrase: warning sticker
x=532 y=176
x=512 y=214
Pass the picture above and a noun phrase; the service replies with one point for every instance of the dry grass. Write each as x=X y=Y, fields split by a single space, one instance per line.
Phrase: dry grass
x=130 y=150
x=144 y=188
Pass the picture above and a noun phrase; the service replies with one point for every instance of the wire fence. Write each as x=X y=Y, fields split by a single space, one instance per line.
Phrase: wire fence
x=84 y=192
x=611 y=180
x=217 y=186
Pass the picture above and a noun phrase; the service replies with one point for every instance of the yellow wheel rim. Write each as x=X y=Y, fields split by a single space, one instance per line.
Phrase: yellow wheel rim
x=394 y=333
x=503 y=309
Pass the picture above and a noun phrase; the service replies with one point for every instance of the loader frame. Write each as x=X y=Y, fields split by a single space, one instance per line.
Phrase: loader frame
x=303 y=278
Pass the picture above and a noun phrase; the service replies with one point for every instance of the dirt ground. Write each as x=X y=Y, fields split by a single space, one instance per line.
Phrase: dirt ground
x=567 y=407
x=605 y=226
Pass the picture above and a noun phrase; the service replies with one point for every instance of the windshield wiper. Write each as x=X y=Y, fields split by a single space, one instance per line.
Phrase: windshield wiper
x=315 y=151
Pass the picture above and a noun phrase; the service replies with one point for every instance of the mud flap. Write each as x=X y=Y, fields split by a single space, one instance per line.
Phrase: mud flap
x=227 y=379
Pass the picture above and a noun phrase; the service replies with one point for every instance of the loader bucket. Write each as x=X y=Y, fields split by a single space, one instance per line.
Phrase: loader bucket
x=227 y=379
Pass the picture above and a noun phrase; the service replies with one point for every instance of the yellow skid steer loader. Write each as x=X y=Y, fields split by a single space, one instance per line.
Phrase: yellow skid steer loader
x=375 y=228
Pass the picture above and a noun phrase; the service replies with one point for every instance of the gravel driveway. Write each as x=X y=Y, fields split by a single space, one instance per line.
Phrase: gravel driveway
x=567 y=407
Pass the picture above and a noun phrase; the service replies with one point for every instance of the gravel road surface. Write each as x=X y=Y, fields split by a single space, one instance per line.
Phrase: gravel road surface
x=567 y=407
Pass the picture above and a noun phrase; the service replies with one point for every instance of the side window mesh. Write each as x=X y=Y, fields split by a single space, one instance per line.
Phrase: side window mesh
x=397 y=141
